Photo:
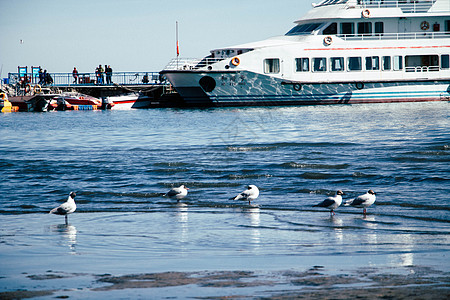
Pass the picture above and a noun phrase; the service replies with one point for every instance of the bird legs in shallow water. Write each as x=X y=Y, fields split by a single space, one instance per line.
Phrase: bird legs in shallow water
x=364 y=212
x=67 y=223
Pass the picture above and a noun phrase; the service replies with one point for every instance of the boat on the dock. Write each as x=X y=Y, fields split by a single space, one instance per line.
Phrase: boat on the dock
x=5 y=105
x=75 y=98
x=128 y=101
x=37 y=103
x=341 y=51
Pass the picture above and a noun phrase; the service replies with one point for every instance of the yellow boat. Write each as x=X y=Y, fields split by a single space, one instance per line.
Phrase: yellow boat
x=5 y=105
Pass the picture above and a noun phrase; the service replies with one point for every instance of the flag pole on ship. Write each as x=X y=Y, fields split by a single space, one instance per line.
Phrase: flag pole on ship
x=178 y=46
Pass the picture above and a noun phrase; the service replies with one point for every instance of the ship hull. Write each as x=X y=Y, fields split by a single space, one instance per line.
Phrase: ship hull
x=243 y=88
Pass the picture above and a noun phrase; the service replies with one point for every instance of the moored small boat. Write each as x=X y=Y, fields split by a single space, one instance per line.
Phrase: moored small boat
x=5 y=105
x=128 y=101
x=75 y=98
x=37 y=103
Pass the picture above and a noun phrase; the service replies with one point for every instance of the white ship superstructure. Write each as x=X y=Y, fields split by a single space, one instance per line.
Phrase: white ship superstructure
x=341 y=51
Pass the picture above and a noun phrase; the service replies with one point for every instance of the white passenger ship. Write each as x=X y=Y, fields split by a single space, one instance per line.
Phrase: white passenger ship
x=341 y=51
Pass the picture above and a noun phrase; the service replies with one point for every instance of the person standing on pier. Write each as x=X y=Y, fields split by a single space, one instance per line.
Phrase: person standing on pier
x=97 y=75
x=101 y=72
x=75 y=75
x=48 y=78
x=108 y=71
x=44 y=76
x=41 y=77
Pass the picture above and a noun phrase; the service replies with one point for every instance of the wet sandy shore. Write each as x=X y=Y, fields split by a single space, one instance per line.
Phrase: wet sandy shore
x=412 y=282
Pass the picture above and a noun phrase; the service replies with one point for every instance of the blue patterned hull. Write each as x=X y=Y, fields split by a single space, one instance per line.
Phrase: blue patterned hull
x=243 y=88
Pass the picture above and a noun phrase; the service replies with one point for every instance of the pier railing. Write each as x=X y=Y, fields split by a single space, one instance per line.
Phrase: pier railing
x=67 y=79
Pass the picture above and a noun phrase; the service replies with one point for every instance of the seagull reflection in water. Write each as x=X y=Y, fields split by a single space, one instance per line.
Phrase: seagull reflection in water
x=68 y=234
x=254 y=214
x=183 y=218
x=336 y=224
x=370 y=236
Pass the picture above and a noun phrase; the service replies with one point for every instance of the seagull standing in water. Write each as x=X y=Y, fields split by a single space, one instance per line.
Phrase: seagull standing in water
x=332 y=202
x=178 y=193
x=251 y=193
x=363 y=201
x=66 y=208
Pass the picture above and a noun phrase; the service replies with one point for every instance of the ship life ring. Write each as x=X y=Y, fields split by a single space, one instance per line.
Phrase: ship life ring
x=297 y=86
x=366 y=13
x=3 y=96
x=424 y=25
x=27 y=88
x=235 y=61
x=37 y=89
x=328 y=40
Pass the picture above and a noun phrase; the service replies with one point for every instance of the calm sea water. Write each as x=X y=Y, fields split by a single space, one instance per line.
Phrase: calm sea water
x=120 y=162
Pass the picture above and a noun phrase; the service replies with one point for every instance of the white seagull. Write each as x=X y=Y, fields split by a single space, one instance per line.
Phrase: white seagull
x=363 y=201
x=177 y=193
x=251 y=193
x=332 y=202
x=66 y=208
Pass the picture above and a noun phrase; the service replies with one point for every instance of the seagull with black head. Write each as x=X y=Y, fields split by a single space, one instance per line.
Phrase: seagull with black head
x=332 y=202
x=250 y=194
x=177 y=193
x=66 y=208
x=363 y=201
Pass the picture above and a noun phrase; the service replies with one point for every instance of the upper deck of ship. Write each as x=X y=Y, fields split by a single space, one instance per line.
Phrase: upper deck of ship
x=352 y=9
x=377 y=19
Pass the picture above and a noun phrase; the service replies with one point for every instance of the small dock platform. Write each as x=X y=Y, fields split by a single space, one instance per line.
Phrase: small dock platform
x=150 y=84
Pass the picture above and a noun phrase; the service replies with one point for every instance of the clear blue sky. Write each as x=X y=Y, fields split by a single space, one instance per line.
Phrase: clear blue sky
x=132 y=35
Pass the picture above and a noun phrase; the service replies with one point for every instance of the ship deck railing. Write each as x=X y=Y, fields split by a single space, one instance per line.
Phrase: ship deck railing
x=90 y=79
x=397 y=36
x=422 y=69
x=407 y=6
x=190 y=63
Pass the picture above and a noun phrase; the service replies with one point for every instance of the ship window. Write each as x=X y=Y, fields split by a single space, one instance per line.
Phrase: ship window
x=319 y=64
x=365 y=28
x=272 y=65
x=447 y=26
x=445 y=63
x=331 y=29
x=347 y=28
x=379 y=28
x=354 y=64
x=372 y=63
x=398 y=63
x=421 y=63
x=337 y=64
x=302 y=64
x=330 y=2
x=304 y=29
x=386 y=63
